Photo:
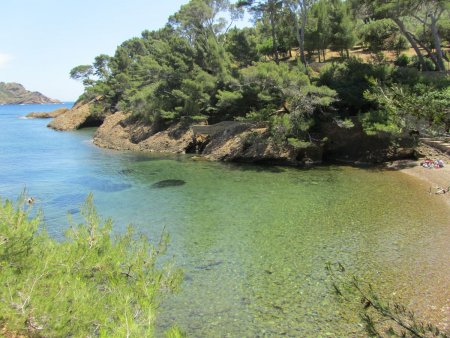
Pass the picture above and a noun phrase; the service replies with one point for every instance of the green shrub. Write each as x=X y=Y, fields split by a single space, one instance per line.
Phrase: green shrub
x=93 y=283
x=402 y=61
x=350 y=80
x=375 y=34
x=429 y=65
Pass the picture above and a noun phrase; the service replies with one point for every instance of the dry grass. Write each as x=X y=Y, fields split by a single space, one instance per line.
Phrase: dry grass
x=359 y=53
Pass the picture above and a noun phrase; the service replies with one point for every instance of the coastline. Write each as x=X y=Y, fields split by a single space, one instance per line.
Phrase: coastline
x=430 y=178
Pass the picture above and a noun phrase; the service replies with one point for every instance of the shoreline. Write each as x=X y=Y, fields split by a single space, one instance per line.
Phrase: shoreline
x=430 y=178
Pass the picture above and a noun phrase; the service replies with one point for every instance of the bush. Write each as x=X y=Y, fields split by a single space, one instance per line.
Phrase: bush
x=375 y=34
x=350 y=80
x=402 y=61
x=407 y=76
x=429 y=65
x=90 y=284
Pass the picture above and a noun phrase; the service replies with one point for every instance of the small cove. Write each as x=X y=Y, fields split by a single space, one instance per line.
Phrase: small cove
x=253 y=241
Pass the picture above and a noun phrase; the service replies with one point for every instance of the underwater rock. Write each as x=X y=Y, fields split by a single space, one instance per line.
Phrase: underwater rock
x=73 y=211
x=126 y=171
x=69 y=199
x=168 y=183
x=209 y=266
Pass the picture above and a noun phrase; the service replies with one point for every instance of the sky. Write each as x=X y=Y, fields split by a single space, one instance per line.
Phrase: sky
x=42 y=40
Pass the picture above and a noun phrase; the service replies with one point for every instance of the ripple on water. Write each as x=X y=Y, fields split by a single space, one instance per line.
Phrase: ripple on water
x=99 y=184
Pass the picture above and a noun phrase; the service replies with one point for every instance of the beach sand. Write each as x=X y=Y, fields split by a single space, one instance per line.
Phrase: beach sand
x=431 y=178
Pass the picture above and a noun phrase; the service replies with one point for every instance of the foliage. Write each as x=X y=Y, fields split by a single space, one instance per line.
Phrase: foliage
x=343 y=37
x=351 y=79
x=402 y=60
x=381 y=317
x=318 y=30
x=419 y=107
x=427 y=13
x=242 y=45
x=197 y=68
x=83 y=73
x=284 y=97
x=375 y=34
x=93 y=283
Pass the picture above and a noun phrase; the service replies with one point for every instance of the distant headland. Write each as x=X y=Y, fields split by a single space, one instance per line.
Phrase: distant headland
x=15 y=93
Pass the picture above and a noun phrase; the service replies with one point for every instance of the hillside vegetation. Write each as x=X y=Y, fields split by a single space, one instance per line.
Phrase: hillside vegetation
x=199 y=68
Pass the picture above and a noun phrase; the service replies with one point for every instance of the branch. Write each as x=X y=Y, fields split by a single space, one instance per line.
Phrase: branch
x=420 y=19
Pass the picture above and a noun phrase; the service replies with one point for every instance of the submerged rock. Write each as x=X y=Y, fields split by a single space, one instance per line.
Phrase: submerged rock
x=168 y=183
x=209 y=266
x=73 y=211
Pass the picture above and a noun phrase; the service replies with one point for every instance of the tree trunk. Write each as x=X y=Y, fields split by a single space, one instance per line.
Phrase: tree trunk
x=410 y=39
x=319 y=55
x=437 y=44
x=428 y=50
x=274 y=35
x=300 y=34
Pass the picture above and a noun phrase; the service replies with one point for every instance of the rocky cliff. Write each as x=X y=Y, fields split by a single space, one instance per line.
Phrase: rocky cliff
x=237 y=141
x=15 y=93
x=79 y=116
x=251 y=142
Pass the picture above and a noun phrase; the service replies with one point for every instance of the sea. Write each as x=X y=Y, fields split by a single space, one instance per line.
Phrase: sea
x=253 y=241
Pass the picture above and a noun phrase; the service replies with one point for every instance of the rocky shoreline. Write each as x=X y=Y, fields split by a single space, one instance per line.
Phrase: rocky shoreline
x=235 y=141
x=47 y=115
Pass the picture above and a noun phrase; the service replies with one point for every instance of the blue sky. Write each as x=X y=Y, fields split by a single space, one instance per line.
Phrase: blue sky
x=42 y=40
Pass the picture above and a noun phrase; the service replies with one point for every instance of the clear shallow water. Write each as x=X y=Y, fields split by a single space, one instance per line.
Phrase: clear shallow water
x=252 y=240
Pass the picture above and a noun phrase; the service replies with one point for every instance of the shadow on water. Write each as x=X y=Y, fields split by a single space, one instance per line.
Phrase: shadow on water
x=168 y=183
x=99 y=184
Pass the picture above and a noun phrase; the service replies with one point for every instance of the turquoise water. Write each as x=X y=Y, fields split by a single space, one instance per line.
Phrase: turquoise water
x=253 y=241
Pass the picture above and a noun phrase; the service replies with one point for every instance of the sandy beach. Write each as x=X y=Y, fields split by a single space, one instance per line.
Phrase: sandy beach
x=432 y=178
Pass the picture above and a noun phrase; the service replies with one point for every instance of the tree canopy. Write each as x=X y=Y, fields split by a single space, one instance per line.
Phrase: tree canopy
x=200 y=67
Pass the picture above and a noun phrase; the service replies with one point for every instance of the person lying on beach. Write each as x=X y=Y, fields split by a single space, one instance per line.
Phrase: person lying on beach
x=440 y=190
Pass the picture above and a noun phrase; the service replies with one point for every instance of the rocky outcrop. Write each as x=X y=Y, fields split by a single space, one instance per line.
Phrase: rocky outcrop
x=248 y=142
x=122 y=132
x=47 y=115
x=15 y=93
x=78 y=117
x=177 y=138
x=224 y=141
x=252 y=142
x=115 y=133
